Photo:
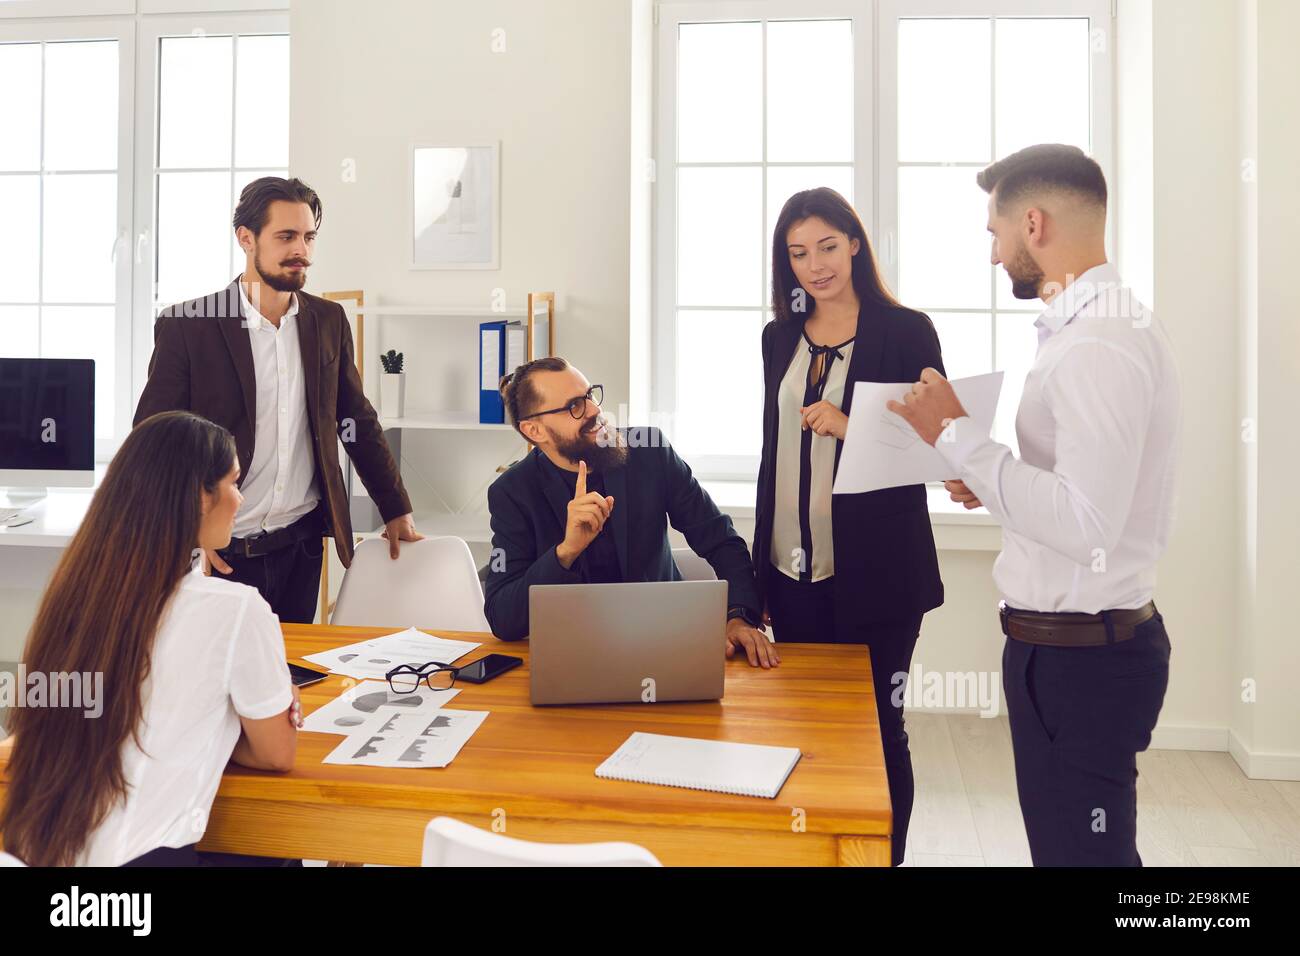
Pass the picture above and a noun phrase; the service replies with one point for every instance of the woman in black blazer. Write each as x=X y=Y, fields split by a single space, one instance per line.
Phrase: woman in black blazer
x=849 y=569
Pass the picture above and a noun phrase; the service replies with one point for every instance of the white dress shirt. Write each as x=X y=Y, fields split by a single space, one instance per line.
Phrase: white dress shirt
x=218 y=656
x=1087 y=508
x=787 y=548
x=280 y=486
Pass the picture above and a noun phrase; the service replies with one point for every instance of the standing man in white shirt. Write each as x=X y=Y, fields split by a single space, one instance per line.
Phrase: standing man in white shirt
x=1085 y=511
x=274 y=365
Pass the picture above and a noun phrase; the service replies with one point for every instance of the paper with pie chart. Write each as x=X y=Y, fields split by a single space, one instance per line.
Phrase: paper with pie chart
x=402 y=739
x=881 y=450
x=374 y=658
x=356 y=705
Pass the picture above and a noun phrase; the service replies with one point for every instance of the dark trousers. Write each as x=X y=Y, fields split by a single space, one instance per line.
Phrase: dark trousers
x=289 y=579
x=168 y=856
x=1079 y=717
x=805 y=613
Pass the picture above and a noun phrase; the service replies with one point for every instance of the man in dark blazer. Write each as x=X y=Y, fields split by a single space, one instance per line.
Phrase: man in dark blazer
x=592 y=504
x=274 y=365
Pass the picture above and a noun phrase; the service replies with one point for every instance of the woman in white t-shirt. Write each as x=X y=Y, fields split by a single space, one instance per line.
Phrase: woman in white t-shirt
x=193 y=667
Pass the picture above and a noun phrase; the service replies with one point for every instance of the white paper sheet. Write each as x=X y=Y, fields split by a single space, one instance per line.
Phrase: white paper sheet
x=356 y=705
x=375 y=658
x=408 y=740
x=881 y=450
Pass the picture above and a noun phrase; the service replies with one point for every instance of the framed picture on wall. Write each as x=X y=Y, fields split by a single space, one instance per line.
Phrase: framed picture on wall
x=455 y=207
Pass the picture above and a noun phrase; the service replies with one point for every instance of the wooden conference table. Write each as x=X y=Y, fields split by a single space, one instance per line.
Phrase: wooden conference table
x=532 y=768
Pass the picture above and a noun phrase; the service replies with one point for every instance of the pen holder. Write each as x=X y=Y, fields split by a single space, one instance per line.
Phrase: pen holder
x=392 y=394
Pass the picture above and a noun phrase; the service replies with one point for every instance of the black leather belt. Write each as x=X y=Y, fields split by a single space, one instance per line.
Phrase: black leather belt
x=1073 y=629
x=310 y=525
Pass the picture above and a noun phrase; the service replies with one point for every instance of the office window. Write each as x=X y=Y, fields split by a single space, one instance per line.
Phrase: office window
x=62 y=193
x=127 y=135
x=222 y=121
x=759 y=100
x=937 y=134
x=739 y=135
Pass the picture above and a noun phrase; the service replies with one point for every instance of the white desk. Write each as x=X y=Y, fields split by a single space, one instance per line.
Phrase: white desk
x=28 y=555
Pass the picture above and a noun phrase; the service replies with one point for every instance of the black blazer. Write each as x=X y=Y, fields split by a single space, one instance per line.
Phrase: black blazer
x=655 y=487
x=885 y=563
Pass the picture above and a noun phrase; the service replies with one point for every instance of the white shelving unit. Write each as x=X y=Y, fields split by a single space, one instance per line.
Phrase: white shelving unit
x=459 y=421
x=473 y=527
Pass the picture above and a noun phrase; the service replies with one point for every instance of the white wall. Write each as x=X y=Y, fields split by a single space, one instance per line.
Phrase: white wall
x=1266 y=723
x=368 y=81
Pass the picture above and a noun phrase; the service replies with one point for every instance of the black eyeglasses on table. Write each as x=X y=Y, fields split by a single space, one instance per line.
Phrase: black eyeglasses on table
x=405 y=678
x=577 y=407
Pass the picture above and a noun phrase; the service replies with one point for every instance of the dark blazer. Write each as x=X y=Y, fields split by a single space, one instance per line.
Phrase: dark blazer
x=203 y=362
x=885 y=563
x=529 y=511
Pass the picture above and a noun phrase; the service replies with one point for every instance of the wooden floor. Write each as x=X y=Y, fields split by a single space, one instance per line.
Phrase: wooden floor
x=1194 y=808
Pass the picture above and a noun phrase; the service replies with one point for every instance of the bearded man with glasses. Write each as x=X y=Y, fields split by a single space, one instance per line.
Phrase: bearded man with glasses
x=591 y=504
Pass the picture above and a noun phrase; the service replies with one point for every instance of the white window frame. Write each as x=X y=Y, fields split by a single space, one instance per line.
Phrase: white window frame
x=135 y=25
x=54 y=31
x=1101 y=126
x=875 y=28
x=152 y=31
x=664 y=326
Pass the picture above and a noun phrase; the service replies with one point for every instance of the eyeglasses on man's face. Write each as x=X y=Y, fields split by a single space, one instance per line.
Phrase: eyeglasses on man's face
x=405 y=678
x=577 y=407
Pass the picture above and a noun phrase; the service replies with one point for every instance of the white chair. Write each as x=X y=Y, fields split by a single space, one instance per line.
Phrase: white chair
x=8 y=859
x=433 y=584
x=449 y=842
x=692 y=566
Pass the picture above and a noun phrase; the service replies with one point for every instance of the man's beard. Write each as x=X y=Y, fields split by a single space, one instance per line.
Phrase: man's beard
x=609 y=452
x=1026 y=277
x=283 y=281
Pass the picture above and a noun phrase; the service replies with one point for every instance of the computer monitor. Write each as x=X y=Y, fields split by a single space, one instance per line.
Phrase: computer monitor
x=47 y=427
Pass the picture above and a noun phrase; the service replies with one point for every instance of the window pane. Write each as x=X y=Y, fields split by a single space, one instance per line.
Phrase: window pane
x=719 y=236
x=810 y=111
x=940 y=120
x=943 y=240
x=78 y=238
x=720 y=92
x=81 y=105
x=19 y=331
x=194 y=229
x=85 y=332
x=21 y=202
x=782 y=183
x=966 y=339
x=719 y=382
x=1053 y=107
x=20 y=107
x=1017 y=345
x=262 y=101
x=194 y=102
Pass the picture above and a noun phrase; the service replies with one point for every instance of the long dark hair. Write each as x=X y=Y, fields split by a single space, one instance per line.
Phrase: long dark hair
x=100 y=614
x=824 y=203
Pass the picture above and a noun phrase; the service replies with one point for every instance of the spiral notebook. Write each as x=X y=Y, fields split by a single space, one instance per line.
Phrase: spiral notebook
x=751 y=770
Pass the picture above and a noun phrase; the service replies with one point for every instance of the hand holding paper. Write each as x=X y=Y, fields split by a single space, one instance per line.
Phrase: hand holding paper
x=882 y=449
x=930 y=406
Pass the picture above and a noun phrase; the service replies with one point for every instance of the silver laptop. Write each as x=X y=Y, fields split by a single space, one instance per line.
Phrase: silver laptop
x=614 y=643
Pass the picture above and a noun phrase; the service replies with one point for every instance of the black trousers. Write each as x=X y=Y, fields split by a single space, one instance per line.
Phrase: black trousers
x=168 y=856
x=805 y=613
x=1079 y=717
x=289 y=579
